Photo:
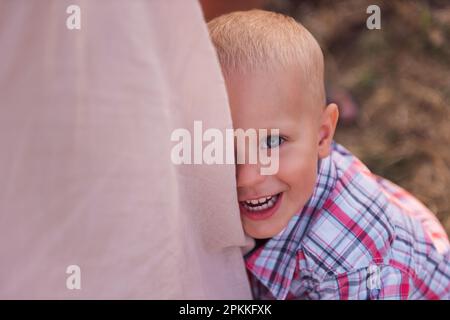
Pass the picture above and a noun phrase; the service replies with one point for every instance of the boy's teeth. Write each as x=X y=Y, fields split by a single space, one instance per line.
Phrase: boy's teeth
x=258 y=201
x=261 y=203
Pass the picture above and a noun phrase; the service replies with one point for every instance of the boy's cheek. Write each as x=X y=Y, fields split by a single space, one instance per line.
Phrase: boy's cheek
x=300 y=175
x=292 y=169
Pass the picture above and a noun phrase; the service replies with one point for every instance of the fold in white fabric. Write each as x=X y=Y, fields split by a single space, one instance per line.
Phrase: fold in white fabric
x=85 y=169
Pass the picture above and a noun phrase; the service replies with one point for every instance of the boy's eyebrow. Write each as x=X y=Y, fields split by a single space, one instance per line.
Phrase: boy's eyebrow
x=289 y=124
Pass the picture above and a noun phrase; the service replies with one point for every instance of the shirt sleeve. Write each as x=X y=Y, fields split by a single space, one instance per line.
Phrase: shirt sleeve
x=372 y=283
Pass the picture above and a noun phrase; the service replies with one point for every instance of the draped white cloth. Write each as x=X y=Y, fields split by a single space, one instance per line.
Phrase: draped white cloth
x=86 y=176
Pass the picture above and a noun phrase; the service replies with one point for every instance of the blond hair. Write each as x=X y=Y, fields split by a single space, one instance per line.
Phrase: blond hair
x=263 y=40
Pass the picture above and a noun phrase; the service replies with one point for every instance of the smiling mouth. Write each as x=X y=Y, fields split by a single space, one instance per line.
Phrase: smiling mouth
x=260 y=204
x=261 y=208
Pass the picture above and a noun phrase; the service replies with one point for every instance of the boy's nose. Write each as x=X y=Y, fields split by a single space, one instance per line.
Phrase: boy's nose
x=248 y=175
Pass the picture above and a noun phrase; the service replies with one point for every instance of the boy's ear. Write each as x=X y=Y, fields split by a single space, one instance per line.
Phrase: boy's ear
x=328 y=124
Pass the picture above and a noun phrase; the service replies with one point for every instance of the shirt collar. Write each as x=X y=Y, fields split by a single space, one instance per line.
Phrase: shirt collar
x=274 y=263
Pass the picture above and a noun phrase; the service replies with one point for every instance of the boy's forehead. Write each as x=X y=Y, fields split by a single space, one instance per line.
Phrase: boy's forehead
x=268 y=95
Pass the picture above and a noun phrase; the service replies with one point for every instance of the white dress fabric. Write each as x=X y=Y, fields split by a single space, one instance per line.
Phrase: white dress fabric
x=86 y=175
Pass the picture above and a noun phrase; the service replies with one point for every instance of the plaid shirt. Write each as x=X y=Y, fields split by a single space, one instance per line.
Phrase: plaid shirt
x=358 y=237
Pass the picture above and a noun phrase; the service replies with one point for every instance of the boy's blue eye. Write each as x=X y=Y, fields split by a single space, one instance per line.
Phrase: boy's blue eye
x=272 y=142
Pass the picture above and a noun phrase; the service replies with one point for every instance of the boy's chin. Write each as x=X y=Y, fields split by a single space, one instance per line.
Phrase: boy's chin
x=261 y=233
x=270 y=228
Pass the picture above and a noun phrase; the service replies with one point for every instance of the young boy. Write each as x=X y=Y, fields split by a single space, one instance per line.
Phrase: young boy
x=327 y=227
